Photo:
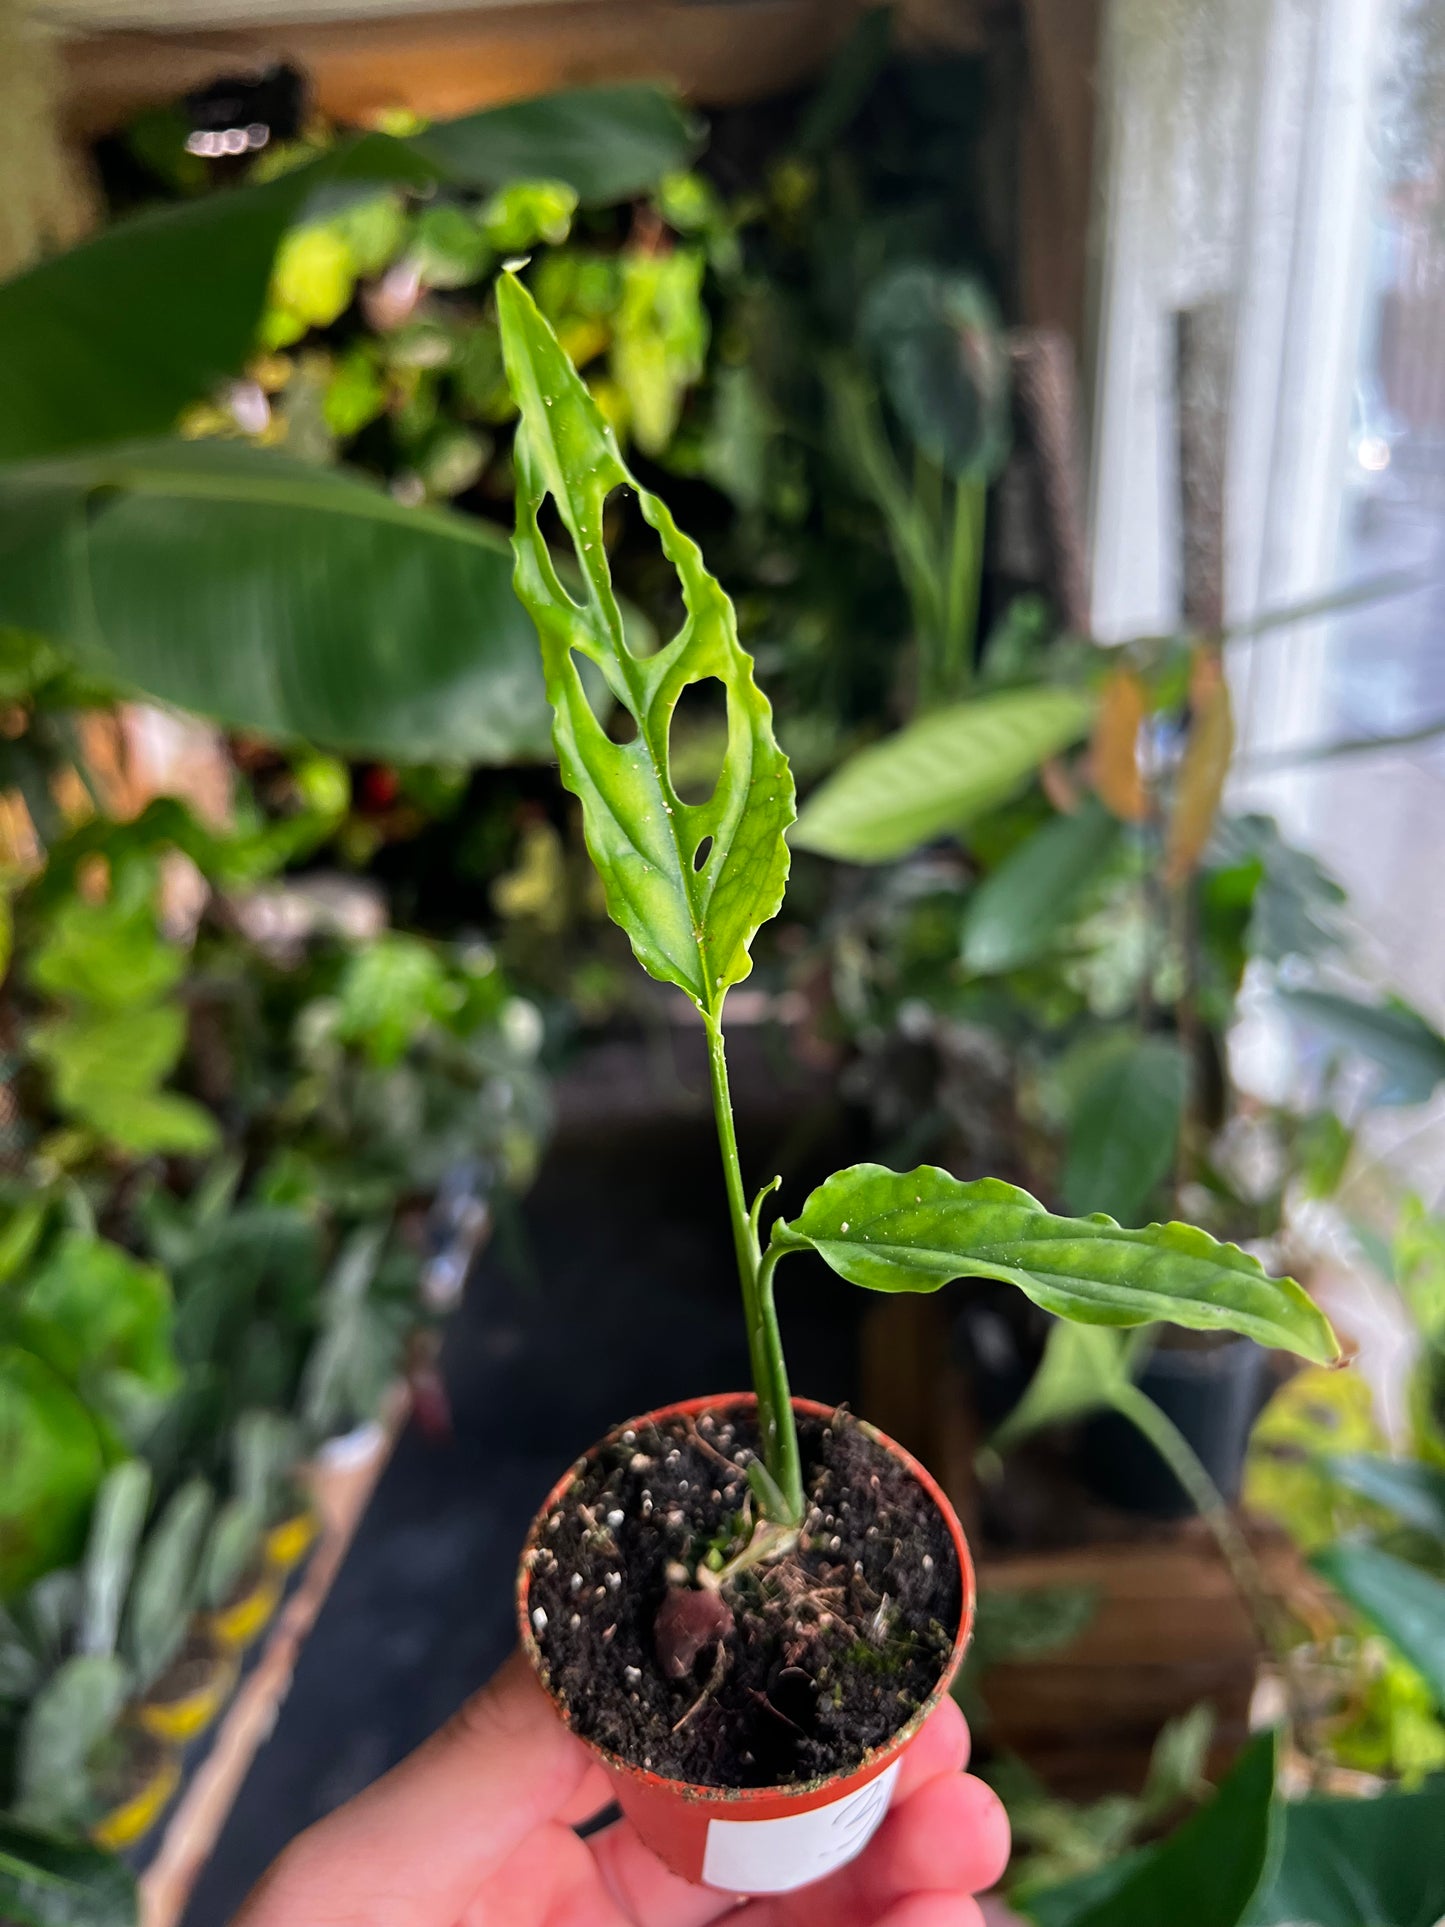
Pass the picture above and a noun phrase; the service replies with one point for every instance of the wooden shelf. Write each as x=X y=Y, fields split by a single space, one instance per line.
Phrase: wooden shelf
x=341 y=1486
x=440 y=64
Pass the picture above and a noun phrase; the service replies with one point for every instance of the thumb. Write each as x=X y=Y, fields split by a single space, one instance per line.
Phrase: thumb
x=414 y=1849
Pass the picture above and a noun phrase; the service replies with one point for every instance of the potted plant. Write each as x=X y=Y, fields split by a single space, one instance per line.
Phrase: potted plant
x=749 y=1604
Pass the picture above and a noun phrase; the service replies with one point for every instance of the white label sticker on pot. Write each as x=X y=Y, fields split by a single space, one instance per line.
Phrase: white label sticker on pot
x=774 y=1856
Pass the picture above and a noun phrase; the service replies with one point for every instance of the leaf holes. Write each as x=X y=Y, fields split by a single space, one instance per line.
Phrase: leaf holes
x=621 y=725
x=701 y=854
x=697 y=740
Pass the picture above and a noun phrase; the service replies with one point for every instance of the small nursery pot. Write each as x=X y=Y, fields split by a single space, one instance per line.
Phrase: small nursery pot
x=759 y=1840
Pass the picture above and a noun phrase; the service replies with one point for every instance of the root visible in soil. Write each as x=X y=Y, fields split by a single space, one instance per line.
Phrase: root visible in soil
x=674 y=1653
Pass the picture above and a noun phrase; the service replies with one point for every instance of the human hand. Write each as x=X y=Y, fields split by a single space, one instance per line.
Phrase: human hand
x=475 y=1830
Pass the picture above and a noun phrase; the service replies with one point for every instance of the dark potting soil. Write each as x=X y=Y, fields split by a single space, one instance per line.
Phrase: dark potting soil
x=818 y=1656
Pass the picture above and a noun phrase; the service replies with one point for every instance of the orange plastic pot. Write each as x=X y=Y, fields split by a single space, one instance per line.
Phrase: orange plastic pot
x=759 y=1840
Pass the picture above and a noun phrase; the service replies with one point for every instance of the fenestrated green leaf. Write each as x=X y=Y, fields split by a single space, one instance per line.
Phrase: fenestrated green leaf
x=1358 y=1863
x=50 y=1881
x=1203 y=1875
x=916 y=1230
x=1124 y=1127
x=689 y=882
x=1413 y=1492
x=609 y=143
x=276 y=597
x=1404 y=1603
x=53 y=1460
x=1408 y=1052
x=1016 y=911
x=938 y=773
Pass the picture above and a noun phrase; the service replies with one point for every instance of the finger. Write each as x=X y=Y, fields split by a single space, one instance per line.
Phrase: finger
x=652 y=1897
x=414 y=1848
x=933 y=1910
x=952 y=1835
x=644 y=1891
x=948 y=1839
x=595 y=1793
x=941 y=1746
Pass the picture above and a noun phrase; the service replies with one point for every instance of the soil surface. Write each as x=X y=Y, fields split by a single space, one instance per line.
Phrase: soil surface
x=820 y=1655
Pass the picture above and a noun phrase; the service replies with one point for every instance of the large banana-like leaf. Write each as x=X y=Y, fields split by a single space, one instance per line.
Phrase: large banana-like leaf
x=109 y=341
x=690 y=883
x=276 y=597
x=917 y=1230
x=609 y=143
x=938 y=773
x=113 y=338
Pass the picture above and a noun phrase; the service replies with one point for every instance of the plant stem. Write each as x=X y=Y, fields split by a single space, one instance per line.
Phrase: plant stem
x=1206 y=1498
x=776 y=1427
x=964 y=571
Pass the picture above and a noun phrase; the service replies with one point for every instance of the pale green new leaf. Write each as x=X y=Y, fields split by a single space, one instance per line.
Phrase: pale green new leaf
x=939 y=773
x=690 y=883
x=1081 y=1367
x=917 y=1230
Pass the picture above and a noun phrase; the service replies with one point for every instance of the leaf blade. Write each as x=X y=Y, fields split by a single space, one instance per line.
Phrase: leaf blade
x=1204 y=1875
x=1124 y=1127
x=690 y=884
x=917 y=1230
x=1358 y=1863
x=609 y=143
x=1404 y=1603
x=940 y=771
x=1413 y=1491
x=276 y=597
x=1016 y=910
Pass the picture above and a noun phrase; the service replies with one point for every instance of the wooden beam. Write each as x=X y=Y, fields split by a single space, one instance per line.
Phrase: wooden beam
x=442 y=64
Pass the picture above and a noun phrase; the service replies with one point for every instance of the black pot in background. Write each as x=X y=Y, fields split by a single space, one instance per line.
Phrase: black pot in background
x=1213 y=1391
